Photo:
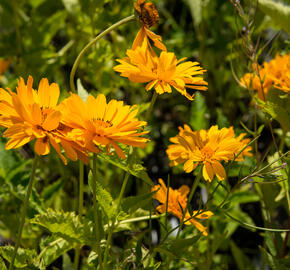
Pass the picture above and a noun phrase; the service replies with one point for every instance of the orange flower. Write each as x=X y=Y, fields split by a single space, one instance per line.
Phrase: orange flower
x=4 y=64
x=207 y=147
x=162 y=72
x=96 y=123
x=177 y=200
x=30 y=114
x=275 y=73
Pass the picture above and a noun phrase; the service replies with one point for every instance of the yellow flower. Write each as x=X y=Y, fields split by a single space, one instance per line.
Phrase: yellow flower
x=177 y=200
x=30 y=114
x=4 y=64
x=207 y=147
x=162 y=72
x=275 y=73
x=96 y=123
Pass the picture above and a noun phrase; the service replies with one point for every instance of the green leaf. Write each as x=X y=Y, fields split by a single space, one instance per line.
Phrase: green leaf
x=277 y=105
x=241 y=259
x=24 y=257
x=196 y=10
x=135 y=202
x=243 y=197
x=279 y=13
x=104 y=198
x=2 y=265
x=52 y=248
x=270 y=243
x=272 y=261
x=198 y=109
x=70 y=5
x=82 y=92
x=177 y=246
x=67 y=225
x=50 y=190
x=137 y=170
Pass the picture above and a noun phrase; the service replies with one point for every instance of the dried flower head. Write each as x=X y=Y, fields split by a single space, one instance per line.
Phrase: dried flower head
x=207 y=147
x=177 y=200
x=148 y=14
x=30 y=114
x=97 y=123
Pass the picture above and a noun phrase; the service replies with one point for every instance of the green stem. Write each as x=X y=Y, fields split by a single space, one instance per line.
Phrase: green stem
x=96 y=212
x=137 y=219
x=80 y=208
x=111 y=228
x=194 y=186
x=124 y=184
x=90 y=44
x=154 y=97
x=24 y=210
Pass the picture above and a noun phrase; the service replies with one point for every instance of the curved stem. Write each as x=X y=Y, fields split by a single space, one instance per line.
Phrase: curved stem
x=80 y=208
x=154 y=97
x=95 y=212
x=24 y=210
x=90 y=44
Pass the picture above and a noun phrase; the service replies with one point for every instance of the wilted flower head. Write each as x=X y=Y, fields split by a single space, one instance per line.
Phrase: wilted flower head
x=98 y=123
x=207 y=147
x=275 y=73
x=30 y=114
x=177 y=200
x=161 y=73
x=148 y=14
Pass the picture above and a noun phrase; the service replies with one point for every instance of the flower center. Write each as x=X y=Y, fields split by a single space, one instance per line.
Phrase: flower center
x=207 y=153
x=101 y=123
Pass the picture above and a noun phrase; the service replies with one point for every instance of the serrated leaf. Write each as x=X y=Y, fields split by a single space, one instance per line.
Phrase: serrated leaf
x=67 y=225
x=138 y=170
x=24 y=257
x=52 y=248
x=104 y=198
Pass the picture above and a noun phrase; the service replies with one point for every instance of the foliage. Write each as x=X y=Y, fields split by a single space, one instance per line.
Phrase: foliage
x=250 y=225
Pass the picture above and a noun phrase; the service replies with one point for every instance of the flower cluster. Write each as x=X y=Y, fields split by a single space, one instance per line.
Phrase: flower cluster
x=176 y=204
x=77 y=126
x=143 y=65
x=207 y=147
x=274 y=73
